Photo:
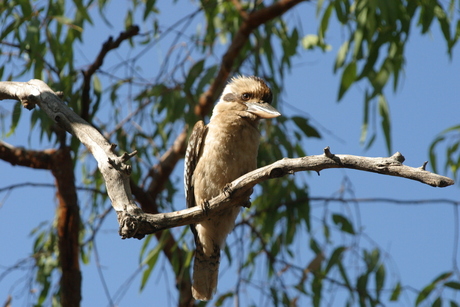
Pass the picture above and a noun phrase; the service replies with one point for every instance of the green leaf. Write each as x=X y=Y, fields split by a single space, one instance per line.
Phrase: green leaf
x=220 y=301
x=97 y=90
x=357 y=39
x=17 y=110
x=325 y=22
x=379 y=279
x=316 y=287
x=207 y=78
x=341 y=55
x=151 y=260
x=228 y=254
x=319 y=5
x=365 y=125
x=193 y=74
x=381 y=78
x=348 y=77
x=428 y=289
x=396 y=292
x=340 y=11
x=26 y=8
x=432 y=153
x=149 y=7
x=344 y=223
x=453 y=285
x=303 y=125
x=371 y=259
x=335 y=257
x=344 y=275
x=437 y=302
x=443 y=276
x=386 y=124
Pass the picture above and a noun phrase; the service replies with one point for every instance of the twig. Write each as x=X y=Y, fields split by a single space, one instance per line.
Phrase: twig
x=110 y=44
x=252 y=22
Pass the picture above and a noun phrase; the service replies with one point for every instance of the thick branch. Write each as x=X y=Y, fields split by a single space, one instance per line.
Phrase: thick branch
x=392 y=166
x=40 y=159
x=68 y=225
x=113 y=168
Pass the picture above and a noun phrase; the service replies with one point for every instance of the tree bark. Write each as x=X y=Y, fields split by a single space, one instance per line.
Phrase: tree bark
x=68 y=213
x=68 y=228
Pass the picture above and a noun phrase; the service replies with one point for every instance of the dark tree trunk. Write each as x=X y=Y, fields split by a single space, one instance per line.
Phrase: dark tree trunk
x=68 y=228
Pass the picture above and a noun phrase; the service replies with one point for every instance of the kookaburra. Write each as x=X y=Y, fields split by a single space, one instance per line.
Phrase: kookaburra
x=217 y=154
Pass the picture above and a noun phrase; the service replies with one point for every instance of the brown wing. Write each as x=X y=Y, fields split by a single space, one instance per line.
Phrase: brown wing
x=192 y=155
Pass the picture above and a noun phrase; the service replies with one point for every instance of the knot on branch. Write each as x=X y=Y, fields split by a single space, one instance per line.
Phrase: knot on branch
x=328 y=153
x=278 y=172
x=398 y=157
x=129 y=225
x=30 y=102
x=119 y=162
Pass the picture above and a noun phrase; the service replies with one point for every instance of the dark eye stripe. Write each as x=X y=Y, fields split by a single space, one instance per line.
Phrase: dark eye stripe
x=230 y=97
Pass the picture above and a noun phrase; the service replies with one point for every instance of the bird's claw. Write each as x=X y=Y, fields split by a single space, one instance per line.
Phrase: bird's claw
x=228 y=190
x=205 y=207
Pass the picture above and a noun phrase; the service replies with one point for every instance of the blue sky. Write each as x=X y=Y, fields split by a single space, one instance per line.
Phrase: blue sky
x=421 y=239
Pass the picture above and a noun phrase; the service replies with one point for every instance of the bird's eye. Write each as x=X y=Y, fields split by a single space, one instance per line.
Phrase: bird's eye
x=246 y=96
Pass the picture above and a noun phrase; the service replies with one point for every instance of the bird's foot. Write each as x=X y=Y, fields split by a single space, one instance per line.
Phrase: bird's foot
x=205 y=207
x=228 y=190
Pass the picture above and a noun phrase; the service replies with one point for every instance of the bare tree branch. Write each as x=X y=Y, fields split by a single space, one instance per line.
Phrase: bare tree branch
x=135 y=223
x=87 y=74
x=207 y=99
x=232 y=194
x=113 y=168
x=40 y=159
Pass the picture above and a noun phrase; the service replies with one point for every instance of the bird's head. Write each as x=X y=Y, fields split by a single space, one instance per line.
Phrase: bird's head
x=250 y=94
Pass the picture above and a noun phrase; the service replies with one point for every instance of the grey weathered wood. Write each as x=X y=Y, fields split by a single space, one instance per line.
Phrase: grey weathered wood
x=134 y=222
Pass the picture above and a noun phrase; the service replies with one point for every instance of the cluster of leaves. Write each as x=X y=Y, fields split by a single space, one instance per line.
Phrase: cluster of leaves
x=151 y=105
x=451 y=138
x=374 y=51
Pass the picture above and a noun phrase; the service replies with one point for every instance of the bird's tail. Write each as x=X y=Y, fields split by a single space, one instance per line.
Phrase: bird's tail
x=205 y=273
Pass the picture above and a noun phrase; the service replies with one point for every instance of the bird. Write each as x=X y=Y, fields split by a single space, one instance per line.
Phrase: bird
x=218 y=153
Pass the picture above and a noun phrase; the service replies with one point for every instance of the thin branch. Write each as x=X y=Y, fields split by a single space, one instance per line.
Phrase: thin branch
x=47 y=185
x=101 y=275
x=232 y=194
x=252 y=22
x=161 y=172
x=388 y=200
x=110 y=44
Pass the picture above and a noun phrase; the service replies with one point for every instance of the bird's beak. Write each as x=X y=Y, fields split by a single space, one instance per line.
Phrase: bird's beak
x=263 y=109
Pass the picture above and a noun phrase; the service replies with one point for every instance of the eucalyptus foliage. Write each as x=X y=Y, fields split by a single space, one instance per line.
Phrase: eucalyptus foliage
x=142 y=107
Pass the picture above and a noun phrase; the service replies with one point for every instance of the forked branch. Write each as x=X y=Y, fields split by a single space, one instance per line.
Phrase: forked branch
x=135 y=223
